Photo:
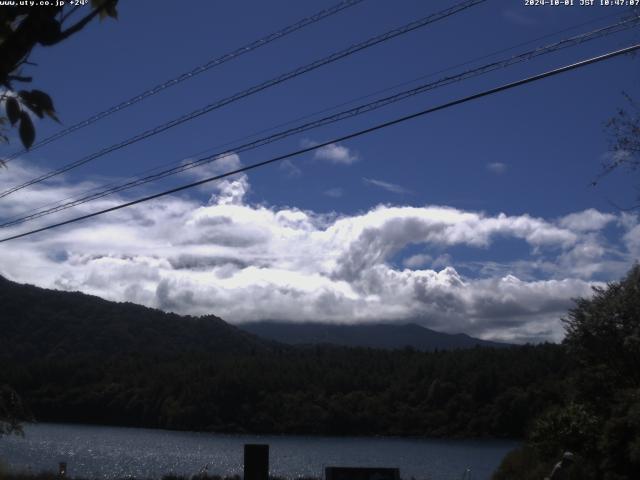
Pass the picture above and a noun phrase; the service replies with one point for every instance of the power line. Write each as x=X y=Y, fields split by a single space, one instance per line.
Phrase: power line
x=361 y=109
x=343 y=138
x=324 y=110
x=255 y=89
x=321 y=15
x=579 y=39
x=380 y=91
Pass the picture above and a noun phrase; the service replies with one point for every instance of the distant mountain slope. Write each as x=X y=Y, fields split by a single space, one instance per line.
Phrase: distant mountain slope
x=43 y=323
x=379 y=335
x=77 y=358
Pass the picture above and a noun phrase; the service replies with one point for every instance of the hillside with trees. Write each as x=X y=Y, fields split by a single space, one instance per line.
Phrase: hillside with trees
x=41 y=323
x=598 y=418
x=77 y=358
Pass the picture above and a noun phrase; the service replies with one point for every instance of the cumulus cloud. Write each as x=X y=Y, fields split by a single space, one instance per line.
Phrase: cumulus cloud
x=424 y=260
x=587 y=220
x=227 y=162
x=632 y=236
x=389 y=187
x=418 y=260
x=229 y=190
x=243 y=261
x=337 y=154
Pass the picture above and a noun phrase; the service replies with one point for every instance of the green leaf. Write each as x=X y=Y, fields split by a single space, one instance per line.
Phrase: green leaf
x=26 y=130
x=31 y=101
x=13 y=110
x=107 y=8
x=112 y=12
x=39 y=103
x=42 y=99
x=25 y=95
x=36 y=109
x=52 y=115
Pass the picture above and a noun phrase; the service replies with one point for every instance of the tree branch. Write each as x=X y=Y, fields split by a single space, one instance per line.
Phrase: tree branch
x=82 y=23
x=19 y=78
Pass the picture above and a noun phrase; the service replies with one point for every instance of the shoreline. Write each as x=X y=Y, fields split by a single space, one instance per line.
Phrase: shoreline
x=115 y=453
x=455 y=438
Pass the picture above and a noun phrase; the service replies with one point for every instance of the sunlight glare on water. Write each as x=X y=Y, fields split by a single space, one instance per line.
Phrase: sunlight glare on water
x=116 y=452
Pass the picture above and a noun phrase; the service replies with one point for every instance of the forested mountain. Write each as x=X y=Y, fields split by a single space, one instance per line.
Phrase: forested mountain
x=37 y=323
x=77 y=358
x=380 y=335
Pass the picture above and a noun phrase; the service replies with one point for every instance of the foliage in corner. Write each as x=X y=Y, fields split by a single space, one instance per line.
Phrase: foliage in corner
x=22 y=28
x=624 y=130
x=599 y=418
x=603 y=333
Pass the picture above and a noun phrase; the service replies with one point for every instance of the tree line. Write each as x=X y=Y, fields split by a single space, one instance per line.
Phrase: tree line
x=598 y=415
x=315 y=390
x=76 y=358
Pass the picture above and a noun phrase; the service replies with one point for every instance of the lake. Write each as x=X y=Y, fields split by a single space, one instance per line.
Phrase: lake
x=106 y=452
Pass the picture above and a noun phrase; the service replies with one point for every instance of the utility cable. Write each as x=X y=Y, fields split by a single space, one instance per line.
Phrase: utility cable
x=343 y=138
x=343 y=5
x=255 y=89
x=361 y=109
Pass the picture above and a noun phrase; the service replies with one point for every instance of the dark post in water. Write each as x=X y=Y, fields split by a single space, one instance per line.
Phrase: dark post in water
x=256 y=462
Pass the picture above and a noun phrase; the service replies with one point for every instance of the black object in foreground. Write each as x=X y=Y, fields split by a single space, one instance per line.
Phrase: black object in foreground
x=361 y=473
x=256 y=462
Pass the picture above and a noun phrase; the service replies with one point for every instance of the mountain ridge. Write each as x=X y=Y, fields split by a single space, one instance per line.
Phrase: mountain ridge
x=56 y=322
x=75 y=358
x=381 y=335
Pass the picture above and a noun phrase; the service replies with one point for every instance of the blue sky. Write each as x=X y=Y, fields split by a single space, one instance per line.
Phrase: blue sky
x=529 y=154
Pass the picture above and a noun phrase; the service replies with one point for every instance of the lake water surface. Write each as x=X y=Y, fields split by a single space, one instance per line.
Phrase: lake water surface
x=106 y=452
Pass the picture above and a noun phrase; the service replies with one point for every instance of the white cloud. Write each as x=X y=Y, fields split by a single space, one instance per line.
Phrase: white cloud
x=222 y=164
x=632 y=240
x=229 y=190
x=587 y=220
x=290 y=168
x=442 y=261
x=497 y=167
x=246 y=262
x=389 y=187
x=337 y=154
x=423 y=260
x=418 y=260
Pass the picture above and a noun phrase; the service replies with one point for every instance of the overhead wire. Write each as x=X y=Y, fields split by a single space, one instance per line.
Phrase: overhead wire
x=409 y=27
x=358 y=110
x=396 y=121
x=215 y=62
